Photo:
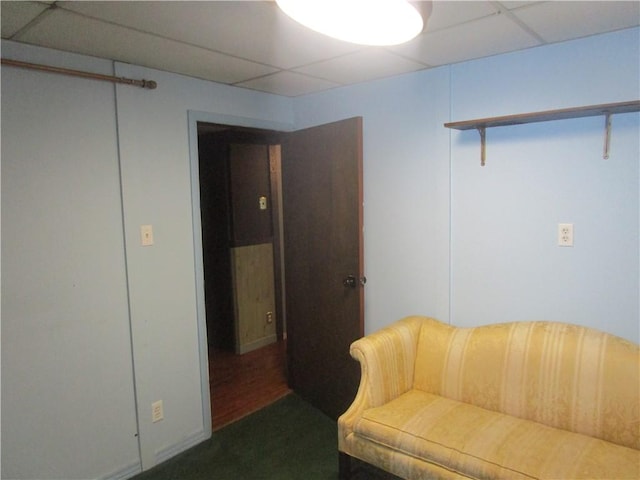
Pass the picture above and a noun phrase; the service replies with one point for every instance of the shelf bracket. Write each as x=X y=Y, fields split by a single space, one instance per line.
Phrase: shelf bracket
x=607 y=135
x=483 y=145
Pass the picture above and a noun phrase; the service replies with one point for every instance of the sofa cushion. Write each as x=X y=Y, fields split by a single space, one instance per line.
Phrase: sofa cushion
x=565 y=376
x=480 y=443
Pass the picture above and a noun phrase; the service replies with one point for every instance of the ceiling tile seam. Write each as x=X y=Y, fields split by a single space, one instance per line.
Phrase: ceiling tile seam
x=286 y=70
x=295 y=68
x=335 y=83
x=163 y=37
x=316 y=91
x=514 y=18
x=34 y=22
x=266 y=75
x=428 y=31
x=288 y=95
x=411 y=59
x=368 y=79
x=335 y=57
x=262 y=90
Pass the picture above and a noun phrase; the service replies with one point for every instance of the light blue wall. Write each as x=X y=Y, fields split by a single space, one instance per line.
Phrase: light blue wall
x=443 y=236
x=156 y=182
x=68 y=406
x=472 y=245
x=406 y=189
x=95 y=326
x=506 y=264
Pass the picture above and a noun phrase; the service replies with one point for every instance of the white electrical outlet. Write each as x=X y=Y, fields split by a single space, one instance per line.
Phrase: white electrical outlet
x=565 y=234
x=157 y=412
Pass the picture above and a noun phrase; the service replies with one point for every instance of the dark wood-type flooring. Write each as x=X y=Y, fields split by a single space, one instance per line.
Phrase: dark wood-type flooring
x=242 y=384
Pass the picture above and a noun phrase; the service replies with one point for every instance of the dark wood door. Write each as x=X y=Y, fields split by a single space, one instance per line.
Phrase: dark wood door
x=323 y=245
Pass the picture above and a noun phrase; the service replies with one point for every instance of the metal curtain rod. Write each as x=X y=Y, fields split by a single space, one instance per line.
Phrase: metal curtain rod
x=150 y=84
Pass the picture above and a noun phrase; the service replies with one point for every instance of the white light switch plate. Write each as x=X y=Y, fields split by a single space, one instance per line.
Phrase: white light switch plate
x=146 y=235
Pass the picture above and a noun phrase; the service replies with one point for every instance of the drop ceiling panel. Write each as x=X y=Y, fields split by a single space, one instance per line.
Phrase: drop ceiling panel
x=107 y=40
x=16 y=15
x=361 y=66
x=558 y=21
x=511 y=4
x=256 y=31
x=288 y=83
x=253 y=44
x=476 y=39
x=447 y=14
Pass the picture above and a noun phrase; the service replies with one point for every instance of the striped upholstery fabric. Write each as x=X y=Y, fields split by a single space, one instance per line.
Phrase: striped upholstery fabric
x=517 y=400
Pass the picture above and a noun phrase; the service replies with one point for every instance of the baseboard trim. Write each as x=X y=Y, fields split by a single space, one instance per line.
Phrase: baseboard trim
x=187 y=443
x=125 y=473
x=262 y=342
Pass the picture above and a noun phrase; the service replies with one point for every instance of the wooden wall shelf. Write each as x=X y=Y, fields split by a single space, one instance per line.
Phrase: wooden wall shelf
x=606 y=109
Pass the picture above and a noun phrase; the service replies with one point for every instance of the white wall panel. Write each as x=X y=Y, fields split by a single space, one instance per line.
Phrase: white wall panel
x=68 y=407
x=506 y=264
x=155 y=153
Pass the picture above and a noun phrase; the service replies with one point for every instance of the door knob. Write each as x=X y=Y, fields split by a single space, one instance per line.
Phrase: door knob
x=352 y=281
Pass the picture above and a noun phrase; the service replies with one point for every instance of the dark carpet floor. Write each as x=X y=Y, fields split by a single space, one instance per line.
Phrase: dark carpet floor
x=287 y=440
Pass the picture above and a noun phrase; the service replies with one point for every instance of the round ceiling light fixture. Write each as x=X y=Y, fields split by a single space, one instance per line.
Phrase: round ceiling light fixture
x=365 y=22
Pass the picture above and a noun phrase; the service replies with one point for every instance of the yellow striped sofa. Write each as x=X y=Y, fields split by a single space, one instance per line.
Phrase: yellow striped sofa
x=521 y=400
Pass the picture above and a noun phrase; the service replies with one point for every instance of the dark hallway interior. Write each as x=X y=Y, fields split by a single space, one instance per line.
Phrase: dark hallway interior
x=239 y=383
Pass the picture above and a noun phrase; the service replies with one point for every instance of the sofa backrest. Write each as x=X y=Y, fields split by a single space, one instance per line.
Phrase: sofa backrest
x=561 y=375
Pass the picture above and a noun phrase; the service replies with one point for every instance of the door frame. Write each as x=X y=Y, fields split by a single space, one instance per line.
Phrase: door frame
x=193 y=117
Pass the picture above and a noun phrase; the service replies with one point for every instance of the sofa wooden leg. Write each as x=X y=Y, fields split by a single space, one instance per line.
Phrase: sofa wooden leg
x=344 y=466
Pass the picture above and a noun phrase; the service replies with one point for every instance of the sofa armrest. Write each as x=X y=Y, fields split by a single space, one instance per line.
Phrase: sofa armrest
x=387 y=360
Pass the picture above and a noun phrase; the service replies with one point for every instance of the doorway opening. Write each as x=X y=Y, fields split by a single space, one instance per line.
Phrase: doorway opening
x=321 y=170
x=241 y=218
